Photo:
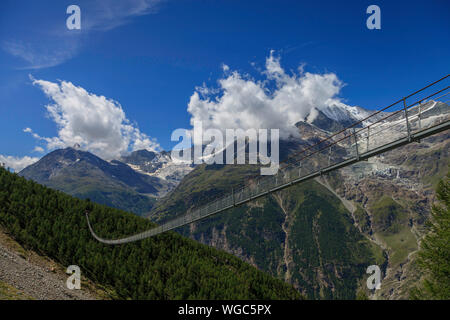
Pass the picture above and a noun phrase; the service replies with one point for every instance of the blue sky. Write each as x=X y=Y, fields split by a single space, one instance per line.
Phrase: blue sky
x=149 y=56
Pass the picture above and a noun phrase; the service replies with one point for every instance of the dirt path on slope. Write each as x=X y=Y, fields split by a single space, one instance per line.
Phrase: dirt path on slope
x=287 y=257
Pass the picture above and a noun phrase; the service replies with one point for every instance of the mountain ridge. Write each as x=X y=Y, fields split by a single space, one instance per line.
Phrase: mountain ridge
x=85 y=175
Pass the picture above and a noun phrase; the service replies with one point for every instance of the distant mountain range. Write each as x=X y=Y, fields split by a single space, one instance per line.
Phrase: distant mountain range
x=135 y=181
x=133 y=184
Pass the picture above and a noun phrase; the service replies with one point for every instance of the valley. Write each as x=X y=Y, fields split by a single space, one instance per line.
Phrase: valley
x=53 y=223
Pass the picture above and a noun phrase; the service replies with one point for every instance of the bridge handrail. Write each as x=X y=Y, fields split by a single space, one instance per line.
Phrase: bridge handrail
x=266 y=184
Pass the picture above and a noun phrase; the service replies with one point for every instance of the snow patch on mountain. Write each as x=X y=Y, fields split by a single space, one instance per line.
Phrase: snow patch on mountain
x=343 y=113
x=159 y=165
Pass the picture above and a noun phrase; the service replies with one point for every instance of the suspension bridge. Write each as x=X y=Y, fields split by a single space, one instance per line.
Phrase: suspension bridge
x=409 y=120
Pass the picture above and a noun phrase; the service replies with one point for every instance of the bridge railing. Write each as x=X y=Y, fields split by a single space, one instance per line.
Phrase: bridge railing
x=395 y=125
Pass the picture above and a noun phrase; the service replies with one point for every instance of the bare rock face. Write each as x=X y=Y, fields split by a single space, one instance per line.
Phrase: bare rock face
x=396 y=191
x=27 y=275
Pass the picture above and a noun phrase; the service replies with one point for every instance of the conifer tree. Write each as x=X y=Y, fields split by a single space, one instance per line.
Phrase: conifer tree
x=434 y=255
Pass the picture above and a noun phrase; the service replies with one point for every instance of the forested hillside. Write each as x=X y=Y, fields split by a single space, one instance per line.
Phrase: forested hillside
x=303 y=235
x=164 y=267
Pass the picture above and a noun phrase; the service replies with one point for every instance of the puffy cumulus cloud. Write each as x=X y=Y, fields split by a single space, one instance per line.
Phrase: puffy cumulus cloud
x=17 y=163
x=96 y=123
x=142 y=141
x=278 y=101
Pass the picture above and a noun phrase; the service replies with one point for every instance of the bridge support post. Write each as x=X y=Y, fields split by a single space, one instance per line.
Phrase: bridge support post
x=407 y=121
x=232 y=197
x=329 y=156
x=356 y=143
x=419 y=116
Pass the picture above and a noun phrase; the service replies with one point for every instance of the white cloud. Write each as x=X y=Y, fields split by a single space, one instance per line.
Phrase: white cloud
x=43 y=54
x=225 y=67
x=17 y=163
x=109 y=14
x=38 y=149
x=277 y=102
x=96 y=123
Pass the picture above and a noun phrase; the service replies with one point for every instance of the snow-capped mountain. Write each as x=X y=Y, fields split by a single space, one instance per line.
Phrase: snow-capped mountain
x=342 y=112
x=338 y=116
x=158 y=164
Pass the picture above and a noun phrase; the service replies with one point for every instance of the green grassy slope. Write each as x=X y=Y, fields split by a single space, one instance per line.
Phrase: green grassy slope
x=8 y=292
x=390 y=223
